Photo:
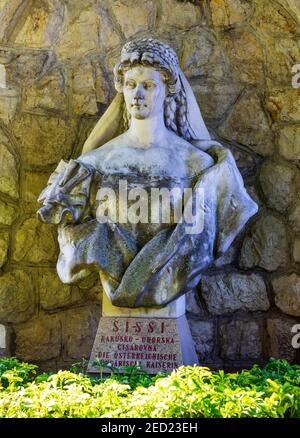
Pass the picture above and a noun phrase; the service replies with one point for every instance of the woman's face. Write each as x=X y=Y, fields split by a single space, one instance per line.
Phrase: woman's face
x=144 y=92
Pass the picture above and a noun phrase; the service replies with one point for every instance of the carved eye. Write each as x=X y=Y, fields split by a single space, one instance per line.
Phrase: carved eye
x=149 y=85
x=130 y=84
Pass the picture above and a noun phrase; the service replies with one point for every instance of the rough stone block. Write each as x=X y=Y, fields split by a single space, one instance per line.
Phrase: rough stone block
x=9 y=178
x=79 y=331
x=280 y=184
x=4 y=245
x=240 y=340
x=202 y=56
x=17 y=297
x=203 y=333
x=248 y=125
x=227 y=293
x=34 y=242
x=289 y=142
x=53 y=293
x=245 y=54
x=280 y=338
x=265 y=244
x=230 y=12
x=287 y=293
x=39 y=340
x=44 y=140
x=134 y=17
x=8 y=213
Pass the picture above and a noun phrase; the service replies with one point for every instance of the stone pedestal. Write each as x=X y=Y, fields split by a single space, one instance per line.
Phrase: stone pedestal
x=159 y=339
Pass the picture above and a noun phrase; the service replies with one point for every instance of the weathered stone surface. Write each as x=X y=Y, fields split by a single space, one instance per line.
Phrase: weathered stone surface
x=2 y=4
x=179 y=15
x=281 y=56
x=3 y=137
x=3 y=83
x=27 y=67
x=240 y=340
x=11 y=12
x=246 y=56
x=280 y=184
x=9 y=179
x=284 y=104
x=80 y=36
x=44 y=140
x=280 y=338
x=226 y=259
x=53 y=293
x=86 y=30
x=201 y=55
x=4 y=244
x=85 y=127
x=75 y=7
x=265 y=245
x=9 y=99
x=244 y=161
x=42 y=25
x=294 y=217
x=287 y=293
x=230 y=12
x=92 y=294
x=270 y=18
x=17 y=300
x=34 y=242
x=47 y=94
x=203 y=336
x=253 y=192
x=293 y=6
x=289 y=142
x=79 y=331
x=227 y=293
x=193 y=304
x=134 y=17
x=8 y=213
x=216 y=100
x=109 y=37
x=248 y=124
x=33 y=184
x=39 y=340
x=296 y=250
x=89 y=89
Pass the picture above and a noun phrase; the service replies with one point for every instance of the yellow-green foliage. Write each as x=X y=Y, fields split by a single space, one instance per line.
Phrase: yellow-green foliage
x=272 y=391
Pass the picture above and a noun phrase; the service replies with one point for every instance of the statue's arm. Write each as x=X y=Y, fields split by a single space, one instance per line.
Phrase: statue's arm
x=66 y=197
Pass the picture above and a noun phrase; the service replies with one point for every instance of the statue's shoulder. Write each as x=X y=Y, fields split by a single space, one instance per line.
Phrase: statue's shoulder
x=197 y=160
x=97 y=157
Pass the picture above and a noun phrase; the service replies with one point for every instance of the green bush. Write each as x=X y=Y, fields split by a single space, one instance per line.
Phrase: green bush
x=272 y=391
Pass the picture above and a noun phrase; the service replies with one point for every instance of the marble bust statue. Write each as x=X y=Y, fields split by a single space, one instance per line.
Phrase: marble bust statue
x=152 y=136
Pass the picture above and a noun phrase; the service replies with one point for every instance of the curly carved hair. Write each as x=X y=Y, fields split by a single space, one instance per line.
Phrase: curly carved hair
x=152 y=53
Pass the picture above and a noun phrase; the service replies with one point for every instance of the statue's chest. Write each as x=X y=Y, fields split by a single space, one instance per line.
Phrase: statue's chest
x=146 y=164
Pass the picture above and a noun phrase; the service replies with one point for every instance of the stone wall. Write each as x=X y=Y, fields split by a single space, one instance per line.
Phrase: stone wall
x=57 y=56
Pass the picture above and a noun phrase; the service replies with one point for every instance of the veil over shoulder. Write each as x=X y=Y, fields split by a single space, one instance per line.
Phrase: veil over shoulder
x=108 y=126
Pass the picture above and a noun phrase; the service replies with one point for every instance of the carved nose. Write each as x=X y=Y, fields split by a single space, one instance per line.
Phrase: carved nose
x=137 y=99
x=139 y=93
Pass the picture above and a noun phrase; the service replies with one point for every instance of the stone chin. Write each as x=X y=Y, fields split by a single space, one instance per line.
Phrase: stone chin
x=139 y=113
